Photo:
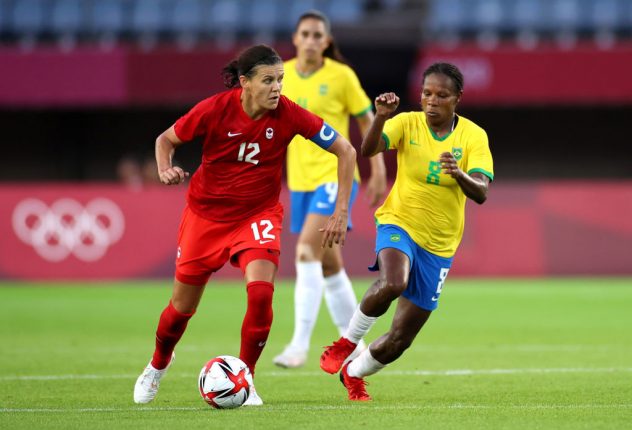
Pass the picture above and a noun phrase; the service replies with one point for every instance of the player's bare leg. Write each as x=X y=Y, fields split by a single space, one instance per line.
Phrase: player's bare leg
x=407 y=322
x=394 y=271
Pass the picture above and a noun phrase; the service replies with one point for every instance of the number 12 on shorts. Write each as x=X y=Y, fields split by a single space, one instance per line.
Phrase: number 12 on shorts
x=442 y=275
x=261 y=231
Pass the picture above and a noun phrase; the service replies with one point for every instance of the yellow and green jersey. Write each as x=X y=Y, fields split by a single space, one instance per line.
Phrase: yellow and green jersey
x=334 y=93
x=426 y=203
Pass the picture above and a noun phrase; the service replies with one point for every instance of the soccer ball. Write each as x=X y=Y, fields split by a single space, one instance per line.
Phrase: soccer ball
x=225 y=382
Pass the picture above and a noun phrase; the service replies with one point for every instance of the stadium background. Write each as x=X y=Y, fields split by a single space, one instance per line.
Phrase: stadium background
x=87 y=86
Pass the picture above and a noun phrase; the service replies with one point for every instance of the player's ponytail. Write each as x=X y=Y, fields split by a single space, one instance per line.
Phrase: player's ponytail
x=230 y=74
x=247 y=62
x=332 y=50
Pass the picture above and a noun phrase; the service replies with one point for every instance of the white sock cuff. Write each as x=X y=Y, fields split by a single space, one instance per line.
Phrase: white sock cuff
x=371 y=360
x=364 y=365
x=365 y=318
x=359 y=325
x=336 y=278
x=309 y=269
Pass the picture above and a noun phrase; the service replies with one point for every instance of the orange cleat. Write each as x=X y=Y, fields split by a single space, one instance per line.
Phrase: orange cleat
x=331 y=360
x=355 y=386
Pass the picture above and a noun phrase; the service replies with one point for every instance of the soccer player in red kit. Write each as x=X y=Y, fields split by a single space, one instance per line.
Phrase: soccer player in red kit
x=233 y=211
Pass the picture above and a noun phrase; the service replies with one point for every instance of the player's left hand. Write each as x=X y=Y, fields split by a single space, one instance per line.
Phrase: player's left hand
x=375 y=189
x=335 y=230
x=449 y=165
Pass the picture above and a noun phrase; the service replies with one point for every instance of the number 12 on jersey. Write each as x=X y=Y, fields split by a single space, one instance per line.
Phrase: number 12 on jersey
x=249 y=157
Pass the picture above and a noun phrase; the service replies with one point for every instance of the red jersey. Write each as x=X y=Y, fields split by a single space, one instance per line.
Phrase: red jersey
x=242 y=158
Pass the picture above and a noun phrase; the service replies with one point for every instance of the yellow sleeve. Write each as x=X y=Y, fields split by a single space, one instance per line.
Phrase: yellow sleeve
x=394 y=131
x=480 y=157
x=358 y=103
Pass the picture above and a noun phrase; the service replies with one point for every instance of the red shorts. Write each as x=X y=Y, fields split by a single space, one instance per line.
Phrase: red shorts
x=204 y=246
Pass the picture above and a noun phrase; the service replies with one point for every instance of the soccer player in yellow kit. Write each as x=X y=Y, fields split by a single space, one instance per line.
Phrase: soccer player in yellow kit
x=320 y=82
x=442 y=159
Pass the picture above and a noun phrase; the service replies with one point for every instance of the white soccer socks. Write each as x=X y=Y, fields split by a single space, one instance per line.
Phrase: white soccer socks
x=341 y=300
x=308 y=295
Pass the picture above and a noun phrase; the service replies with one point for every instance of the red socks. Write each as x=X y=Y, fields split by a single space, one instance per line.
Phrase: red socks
x=257 y=322
x=170 y=329
x=254 y=330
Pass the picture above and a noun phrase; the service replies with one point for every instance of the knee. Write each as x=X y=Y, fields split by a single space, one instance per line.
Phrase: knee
x=395 y=286
x=183 y=306
x=305 y=253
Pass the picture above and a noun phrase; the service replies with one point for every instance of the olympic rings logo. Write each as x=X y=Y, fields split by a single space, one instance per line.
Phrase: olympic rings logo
x=67 y=227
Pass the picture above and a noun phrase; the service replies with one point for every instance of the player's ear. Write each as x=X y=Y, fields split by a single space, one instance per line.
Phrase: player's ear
x=329 y=41
x=295 y=39
x=243 y=81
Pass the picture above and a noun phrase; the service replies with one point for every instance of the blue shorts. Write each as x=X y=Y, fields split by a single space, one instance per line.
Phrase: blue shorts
x=321 y=201
x=428 y=271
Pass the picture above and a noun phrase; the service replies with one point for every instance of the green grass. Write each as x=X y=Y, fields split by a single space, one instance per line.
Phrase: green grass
x=501 y=354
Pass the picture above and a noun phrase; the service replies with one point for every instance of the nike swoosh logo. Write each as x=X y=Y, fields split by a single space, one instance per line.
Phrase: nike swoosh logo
x=262 y=344
x=233 y=134
x=265 y=241
x=434 y=299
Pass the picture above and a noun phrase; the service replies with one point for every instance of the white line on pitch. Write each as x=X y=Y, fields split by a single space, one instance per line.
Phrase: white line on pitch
x=295 y=373
x=372 y=406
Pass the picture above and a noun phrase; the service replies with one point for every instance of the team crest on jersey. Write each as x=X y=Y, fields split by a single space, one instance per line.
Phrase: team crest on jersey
x=395 y=238
x=322 y=90
x=458 y=153
x=269 y=133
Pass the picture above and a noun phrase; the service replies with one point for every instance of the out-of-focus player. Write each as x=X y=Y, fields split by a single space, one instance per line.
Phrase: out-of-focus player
x=319 y=80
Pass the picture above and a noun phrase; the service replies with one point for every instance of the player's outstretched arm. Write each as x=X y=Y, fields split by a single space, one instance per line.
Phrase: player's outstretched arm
x=474 y=186
x=335 y=230
x=385 y=105
x=166 y=145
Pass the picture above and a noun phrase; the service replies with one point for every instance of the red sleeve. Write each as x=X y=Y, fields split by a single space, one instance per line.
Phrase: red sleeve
x=195 y=122
x=305 y=123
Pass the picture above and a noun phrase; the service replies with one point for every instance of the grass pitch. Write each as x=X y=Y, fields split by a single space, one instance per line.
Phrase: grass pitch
x=538 y=354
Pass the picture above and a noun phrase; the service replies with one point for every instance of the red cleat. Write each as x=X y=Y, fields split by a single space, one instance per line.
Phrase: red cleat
x=331 y=360
x=355 y=386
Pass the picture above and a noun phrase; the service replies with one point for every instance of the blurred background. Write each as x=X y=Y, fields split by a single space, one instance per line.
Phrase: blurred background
x=87 y=85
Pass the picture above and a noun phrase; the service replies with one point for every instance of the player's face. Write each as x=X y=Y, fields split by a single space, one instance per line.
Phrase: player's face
x=439 y=98
x=265 y=86
x=311 y=39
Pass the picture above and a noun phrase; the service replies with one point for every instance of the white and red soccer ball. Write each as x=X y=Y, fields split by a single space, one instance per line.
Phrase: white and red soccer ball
x=225 y=382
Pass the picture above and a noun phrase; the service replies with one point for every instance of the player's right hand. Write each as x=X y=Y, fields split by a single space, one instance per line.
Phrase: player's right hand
x=335 y=231
x=386 y=103
x=173 y=175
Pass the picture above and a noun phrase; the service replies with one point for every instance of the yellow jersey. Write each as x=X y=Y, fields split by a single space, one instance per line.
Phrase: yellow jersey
x=334 y=93
x=427 y=204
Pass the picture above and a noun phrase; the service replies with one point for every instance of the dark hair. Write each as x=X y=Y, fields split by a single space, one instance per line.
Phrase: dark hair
x=332 y=50
x=246 y=63
x=449 y=70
